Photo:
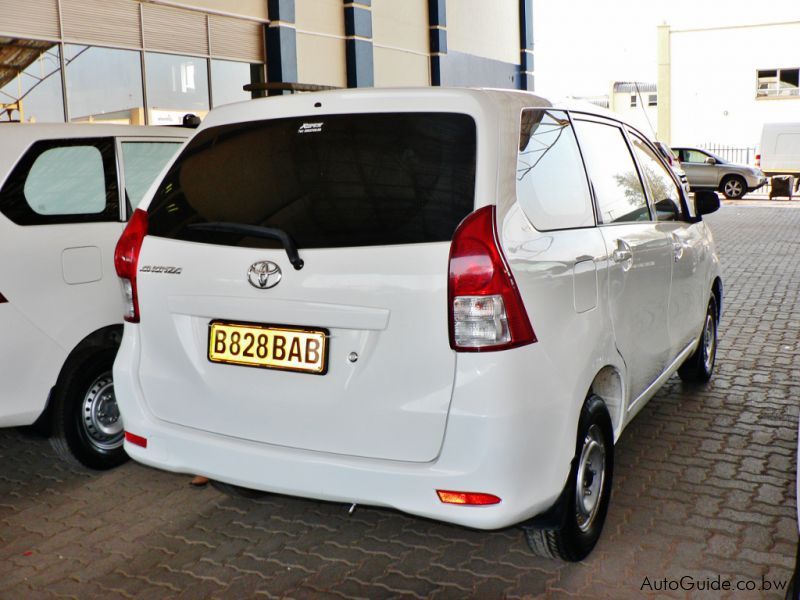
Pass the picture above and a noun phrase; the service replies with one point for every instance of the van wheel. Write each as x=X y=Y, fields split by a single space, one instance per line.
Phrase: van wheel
x=235 y=491
x=86 y=426
x=588 y=490
x=699 y=367
x=733 y=187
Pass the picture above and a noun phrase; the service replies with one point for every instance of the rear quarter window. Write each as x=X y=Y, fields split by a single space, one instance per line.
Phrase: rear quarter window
x=326 y=180
x=552 y=188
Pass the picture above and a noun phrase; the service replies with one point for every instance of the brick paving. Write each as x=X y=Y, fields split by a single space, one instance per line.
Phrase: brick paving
x=704 y=487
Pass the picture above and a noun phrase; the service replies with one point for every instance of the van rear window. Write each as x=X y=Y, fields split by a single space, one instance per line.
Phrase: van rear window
x=327 y=180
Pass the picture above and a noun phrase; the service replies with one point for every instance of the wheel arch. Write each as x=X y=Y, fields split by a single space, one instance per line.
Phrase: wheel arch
x=108 y=337
x=716 y=289
x=608 y=385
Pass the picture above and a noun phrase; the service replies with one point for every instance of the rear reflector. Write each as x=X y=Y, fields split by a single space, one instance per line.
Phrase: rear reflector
x=137 y=440
x=467 y=498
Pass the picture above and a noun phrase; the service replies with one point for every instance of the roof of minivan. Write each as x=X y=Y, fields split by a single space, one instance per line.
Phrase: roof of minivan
x=360 y=99
x=39 y=131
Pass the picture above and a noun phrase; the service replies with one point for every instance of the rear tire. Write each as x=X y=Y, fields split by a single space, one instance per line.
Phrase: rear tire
x=585 y=504
x=86 y=426
x=235 y=491
x=733 y=187
x=699 y=367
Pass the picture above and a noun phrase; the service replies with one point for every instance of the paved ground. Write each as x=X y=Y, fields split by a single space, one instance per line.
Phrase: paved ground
x=703 y=488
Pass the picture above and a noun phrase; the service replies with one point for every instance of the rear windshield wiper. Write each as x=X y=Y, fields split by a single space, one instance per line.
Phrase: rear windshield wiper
x=269 y=233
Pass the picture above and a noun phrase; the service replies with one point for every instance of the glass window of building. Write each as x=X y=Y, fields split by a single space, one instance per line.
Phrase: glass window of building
x=176 y=85
x=104 y=85
x=33 y=94
x=228 y=77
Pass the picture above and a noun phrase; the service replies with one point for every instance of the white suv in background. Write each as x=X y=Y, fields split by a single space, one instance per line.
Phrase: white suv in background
x=65 y=194
x=415 y=298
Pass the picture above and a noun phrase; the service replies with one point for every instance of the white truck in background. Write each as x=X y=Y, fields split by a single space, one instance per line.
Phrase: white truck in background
x=780 y=149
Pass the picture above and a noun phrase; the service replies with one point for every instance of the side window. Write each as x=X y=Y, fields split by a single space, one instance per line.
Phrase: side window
x=551 y=184
x=67 y=181
x=142 y=162
x=63 y=181
x=617 y=187
x=663 y=192
x=693 y=156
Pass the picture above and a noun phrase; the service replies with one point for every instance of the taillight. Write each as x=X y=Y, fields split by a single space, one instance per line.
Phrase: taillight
x=485 y=309
x=758 y=161
x=126 y=261
x=467 y=498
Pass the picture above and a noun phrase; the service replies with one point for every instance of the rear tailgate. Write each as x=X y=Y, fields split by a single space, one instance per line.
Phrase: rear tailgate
x=372 y=202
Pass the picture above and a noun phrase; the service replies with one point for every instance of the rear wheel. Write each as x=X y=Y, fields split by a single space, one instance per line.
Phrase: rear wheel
x=588 y=490
x=86 y=425
x=699 y=367
x=733 y=187
x=236 y=491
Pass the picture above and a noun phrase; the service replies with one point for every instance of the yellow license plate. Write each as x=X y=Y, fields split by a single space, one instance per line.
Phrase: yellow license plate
x=269 y=346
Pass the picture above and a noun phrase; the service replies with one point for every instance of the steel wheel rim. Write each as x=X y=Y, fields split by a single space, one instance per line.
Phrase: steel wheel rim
x=733 y=187
x=709 y=342
x=590 y=478
x=100 y=419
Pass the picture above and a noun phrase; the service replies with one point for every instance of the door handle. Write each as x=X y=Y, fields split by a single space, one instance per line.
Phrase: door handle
x=623 y=255
x=677 y=247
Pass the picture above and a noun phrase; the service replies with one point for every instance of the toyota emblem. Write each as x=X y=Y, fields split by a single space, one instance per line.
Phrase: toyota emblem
x=264 y=274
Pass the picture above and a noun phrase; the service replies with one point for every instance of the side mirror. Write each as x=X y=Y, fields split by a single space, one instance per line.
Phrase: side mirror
x=705 y=202
x=666 y=210
x=711 y=160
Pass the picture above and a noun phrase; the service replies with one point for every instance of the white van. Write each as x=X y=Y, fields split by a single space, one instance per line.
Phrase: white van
x=780 y=149
x=446 y=301
x=66 y=191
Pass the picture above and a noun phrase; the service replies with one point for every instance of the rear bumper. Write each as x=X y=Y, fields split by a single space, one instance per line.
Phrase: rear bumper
x=517 y=449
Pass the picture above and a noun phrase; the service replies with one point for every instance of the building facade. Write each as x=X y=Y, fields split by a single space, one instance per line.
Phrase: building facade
x=152 y=61
x=719 y=85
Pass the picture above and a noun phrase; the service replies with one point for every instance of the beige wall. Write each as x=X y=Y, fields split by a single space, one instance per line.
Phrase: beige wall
x=320 y=42
x=488 y=28
x=395 y=69
x=320 y=16
x=400 y=42
x=246 y=8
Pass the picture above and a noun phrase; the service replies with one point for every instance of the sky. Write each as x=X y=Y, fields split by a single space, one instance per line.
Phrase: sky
x=581 y=46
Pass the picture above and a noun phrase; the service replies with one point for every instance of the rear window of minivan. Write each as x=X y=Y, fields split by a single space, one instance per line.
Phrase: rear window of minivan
x=326 y=180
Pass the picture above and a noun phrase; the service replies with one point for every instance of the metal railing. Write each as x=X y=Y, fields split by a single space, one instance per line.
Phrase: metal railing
x=738 y=155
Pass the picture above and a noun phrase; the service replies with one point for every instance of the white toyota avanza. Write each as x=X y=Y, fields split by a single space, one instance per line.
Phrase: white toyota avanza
x=446 y=301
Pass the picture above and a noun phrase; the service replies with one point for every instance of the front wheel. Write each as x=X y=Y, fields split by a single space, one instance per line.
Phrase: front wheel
x=699 y=367
x=734 y=187
x=588 y=490
x=86 y=425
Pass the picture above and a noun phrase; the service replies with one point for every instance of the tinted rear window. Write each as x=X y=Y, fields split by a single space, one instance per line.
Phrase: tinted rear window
x=328 y=181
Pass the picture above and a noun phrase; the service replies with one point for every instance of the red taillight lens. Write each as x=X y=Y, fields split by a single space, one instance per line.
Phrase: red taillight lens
x=135 y=439
x=126 y=261
x=485 y=309
x=758 y=161
x=467 y=498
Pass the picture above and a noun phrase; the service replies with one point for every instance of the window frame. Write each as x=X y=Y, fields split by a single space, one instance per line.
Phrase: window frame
x=125 y=209
x=592 y=199
x=621 y=126
x=15 y=207
x=630 y=132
